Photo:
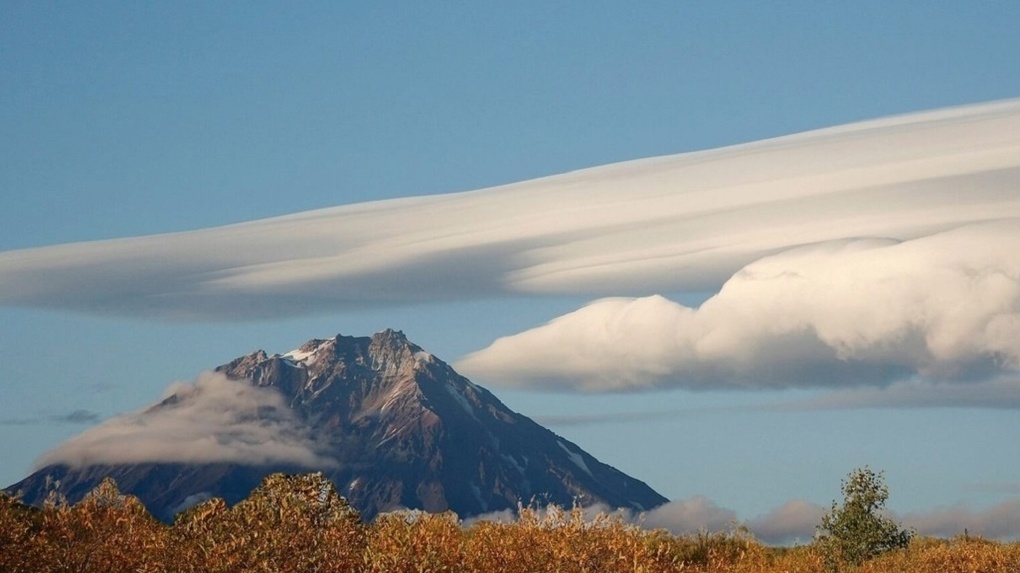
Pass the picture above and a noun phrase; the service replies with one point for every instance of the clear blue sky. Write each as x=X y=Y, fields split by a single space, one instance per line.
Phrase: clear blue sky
x=122 y=119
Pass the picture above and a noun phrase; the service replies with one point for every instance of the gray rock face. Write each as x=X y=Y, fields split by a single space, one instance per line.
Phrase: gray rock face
x=404 y=429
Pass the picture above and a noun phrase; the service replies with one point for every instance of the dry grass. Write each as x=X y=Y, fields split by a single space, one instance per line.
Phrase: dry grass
x=299 y=524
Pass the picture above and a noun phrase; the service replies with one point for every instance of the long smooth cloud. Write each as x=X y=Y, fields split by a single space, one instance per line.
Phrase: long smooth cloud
x=667 y=224
x=213 y=420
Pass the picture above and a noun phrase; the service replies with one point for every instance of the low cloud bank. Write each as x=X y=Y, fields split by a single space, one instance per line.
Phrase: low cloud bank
x=1001 y=521
x=214 y=419
x=795 y=521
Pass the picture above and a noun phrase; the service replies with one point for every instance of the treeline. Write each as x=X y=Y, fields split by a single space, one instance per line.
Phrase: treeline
x=299 y=524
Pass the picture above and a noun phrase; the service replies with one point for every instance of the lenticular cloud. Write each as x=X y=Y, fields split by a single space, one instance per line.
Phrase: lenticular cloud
x=665 y=224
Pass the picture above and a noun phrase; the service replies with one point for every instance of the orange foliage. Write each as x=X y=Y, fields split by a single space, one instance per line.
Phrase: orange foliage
x=300 y=524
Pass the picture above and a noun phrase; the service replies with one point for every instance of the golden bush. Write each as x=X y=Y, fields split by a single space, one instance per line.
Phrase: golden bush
x=414 y=542
x=300 y=524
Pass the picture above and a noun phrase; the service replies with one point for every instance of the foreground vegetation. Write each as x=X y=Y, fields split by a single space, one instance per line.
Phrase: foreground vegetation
x=298 y=524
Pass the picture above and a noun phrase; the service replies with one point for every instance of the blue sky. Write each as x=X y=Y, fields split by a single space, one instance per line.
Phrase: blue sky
x=119 y=120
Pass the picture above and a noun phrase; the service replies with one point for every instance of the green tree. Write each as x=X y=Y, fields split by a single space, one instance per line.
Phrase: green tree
x=857 y=531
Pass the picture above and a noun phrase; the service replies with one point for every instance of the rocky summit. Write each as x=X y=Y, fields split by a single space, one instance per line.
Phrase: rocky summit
x=394 y=427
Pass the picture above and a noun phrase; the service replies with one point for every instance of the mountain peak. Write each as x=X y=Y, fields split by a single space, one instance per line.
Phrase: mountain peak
x=404 y=430
x=390 y=336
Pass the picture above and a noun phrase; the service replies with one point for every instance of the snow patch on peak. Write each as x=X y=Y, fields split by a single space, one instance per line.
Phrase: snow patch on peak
x=297 y=355
x=575 y=457
x=422 y=356
x=302 y=355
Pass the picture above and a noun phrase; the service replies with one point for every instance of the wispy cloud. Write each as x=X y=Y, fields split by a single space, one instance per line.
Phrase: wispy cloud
x=998 y=391
x=72 y=417
x=77 y=417
x=560 y=420
x=214 y=419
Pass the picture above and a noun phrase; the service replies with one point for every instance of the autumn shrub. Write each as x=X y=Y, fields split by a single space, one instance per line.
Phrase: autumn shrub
x=288 y=523
x=102 y=533
x=958 y=555
x=571 y=542
x=19 y=525
x=300 y=524
x=800 y=559
x=567 y=541
x=414 y=542
x=519 y=547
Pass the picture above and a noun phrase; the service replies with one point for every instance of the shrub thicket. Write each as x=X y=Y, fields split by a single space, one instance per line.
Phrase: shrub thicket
x=299 y=524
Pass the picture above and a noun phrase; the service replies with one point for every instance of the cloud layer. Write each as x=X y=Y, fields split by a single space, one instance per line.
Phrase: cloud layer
x=868 y=255
x=212 y=420
x=665 y=224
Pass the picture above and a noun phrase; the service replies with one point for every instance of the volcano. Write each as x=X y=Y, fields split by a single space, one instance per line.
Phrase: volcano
x=390 y=424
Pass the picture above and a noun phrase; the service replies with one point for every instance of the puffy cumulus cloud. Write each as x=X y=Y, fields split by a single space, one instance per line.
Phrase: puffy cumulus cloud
x=214 y=419
x=943 y=308
x=665 y=224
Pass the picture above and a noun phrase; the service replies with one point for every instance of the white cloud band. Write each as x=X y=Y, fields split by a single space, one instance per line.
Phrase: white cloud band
x=657 y=225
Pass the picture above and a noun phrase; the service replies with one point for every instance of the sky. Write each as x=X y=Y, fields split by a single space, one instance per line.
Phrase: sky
x=738 y=324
